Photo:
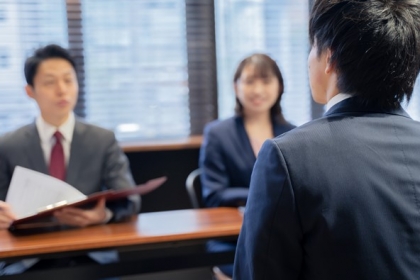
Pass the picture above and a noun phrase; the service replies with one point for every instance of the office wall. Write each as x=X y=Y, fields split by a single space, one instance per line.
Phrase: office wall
x=176 y=165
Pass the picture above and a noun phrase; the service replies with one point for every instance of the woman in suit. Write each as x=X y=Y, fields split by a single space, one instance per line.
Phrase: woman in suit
x=231 y=146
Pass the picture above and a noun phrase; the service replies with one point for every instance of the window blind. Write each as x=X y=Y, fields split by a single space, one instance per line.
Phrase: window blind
x=24 y=26
x=147 y=69
x=277 y=28
x=136 y=76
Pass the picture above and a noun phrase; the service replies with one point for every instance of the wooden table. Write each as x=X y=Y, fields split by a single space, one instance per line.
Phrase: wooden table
x=150 y=242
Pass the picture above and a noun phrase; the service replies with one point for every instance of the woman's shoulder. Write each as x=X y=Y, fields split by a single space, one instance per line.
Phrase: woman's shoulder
x=283 y=126
x=222 y=126
x=287 y=125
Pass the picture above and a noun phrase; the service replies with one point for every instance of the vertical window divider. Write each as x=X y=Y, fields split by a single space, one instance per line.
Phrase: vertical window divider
x=202 y=70
x=75 y=38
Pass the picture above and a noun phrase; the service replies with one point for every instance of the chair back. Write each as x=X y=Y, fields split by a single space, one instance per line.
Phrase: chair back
x=193 y=185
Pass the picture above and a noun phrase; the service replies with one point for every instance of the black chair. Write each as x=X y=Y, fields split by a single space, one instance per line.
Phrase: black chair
x=193 y=185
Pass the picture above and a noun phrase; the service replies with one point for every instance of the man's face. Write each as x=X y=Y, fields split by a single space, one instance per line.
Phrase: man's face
x=317 y=75
x=55 y=90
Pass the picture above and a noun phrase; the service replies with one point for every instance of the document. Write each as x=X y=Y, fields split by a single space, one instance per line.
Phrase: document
x=34 y=196
x=31 y=192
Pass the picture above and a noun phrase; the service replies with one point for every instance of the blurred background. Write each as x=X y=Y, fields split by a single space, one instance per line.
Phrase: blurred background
x=157 y=69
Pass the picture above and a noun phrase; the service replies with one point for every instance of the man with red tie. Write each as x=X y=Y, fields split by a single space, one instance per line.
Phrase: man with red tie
x=59 y=144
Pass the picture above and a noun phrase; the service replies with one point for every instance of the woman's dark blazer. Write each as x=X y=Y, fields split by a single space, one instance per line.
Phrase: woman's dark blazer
x=226 y=161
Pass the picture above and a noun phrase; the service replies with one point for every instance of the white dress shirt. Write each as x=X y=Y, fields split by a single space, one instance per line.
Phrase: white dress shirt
x=336 y=99
x=46 y=134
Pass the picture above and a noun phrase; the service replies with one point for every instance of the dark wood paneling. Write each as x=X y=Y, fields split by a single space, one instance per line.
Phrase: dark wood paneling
x=176 y=165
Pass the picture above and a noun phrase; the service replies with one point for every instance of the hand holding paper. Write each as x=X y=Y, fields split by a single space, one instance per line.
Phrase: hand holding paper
x=6 y=215
x=76 y=217
x=31 y=191
x=34 y=196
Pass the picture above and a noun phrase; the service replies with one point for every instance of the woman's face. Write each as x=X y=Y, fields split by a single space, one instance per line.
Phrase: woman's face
x=256 y=94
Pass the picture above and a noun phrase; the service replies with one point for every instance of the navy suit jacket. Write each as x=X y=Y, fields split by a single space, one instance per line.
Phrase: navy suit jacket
x=226 y=161
x=96 y=163
x=337 y=198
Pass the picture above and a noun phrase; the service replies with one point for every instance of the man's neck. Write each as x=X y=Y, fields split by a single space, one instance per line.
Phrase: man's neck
x=57 y=122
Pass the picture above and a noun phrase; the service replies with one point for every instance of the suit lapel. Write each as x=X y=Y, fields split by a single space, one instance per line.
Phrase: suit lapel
x=77 y=144
x=33 y=150
x=244 y=140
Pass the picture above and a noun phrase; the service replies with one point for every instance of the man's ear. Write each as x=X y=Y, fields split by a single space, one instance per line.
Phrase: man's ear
x=30 y=91
x=329 y=67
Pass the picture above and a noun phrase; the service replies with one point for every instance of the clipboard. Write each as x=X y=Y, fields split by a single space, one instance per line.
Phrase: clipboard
x=43 y=217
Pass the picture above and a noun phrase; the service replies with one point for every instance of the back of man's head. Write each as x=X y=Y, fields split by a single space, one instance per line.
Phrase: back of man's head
x=48 y=52
x=375 y=46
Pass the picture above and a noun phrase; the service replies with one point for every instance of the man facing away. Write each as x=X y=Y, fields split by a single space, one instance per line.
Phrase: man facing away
x=339 y=197
x=57 y=143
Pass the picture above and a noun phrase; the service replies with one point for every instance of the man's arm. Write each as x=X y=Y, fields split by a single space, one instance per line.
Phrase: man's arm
x=6 y=215
x=5 y=175
x=116 y=175
x=269 y=245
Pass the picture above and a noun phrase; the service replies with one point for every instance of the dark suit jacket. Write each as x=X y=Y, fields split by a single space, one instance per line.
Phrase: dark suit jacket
x=226 y=161
x=96 y=163
x=337 y=198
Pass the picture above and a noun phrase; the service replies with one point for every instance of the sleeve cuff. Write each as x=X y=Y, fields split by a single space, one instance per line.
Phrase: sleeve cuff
x=108 y=215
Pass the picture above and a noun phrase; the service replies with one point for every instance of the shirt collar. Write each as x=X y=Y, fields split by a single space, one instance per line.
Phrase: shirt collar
x=336 y=99
x=46 y=130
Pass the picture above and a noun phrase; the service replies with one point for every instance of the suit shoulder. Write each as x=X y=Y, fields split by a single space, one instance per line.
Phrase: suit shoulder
x=221 y=127
x=282 y=127
x=288 y=125
x=308 y=132
x=15 y=138
x=94 y=130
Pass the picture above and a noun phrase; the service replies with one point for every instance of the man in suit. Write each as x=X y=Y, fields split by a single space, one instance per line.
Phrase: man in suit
x=57 y=143
x=339 y=197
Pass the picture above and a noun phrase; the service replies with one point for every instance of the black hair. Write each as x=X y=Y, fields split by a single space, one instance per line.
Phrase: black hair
x=374 y=44
x=42 y=54
x=264 y=66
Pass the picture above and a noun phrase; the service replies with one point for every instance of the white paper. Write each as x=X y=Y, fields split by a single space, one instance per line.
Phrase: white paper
x=31 y=191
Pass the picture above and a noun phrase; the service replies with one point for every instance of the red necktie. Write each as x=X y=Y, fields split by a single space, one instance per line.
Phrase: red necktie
x=57 y=162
